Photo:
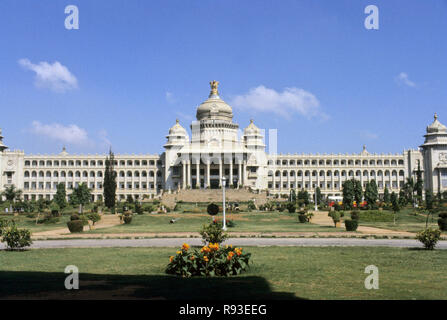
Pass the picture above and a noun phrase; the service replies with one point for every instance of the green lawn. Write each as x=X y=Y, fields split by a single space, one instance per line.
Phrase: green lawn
x=192 y=222
x=276 y=273
x=406 y=220
x=22 y=221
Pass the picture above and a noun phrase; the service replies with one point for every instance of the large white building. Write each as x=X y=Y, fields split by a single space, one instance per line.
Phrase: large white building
x=216 y=149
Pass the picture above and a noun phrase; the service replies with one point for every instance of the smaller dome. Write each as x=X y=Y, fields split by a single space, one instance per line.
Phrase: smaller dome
x=252 y=129
x=436 y=126
x=177 y=129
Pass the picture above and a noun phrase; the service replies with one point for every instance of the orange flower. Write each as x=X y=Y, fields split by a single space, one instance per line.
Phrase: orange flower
x=205 y=258
x=179 y=252
x=238 y=251
x=230 y=255
x=205 y=249
x=171 y=258
x=192 y=258
x=214 y=246
x=185 y=247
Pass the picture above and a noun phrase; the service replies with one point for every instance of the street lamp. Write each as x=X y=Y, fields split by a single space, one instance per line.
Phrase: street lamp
x=224 y=180
x=316 y=204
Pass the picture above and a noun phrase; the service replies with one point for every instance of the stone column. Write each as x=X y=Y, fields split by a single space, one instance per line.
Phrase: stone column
x=208 y=181
x=220 y=172
x=184 y=176
x=230 y=183
x=244 y=173
x=240 y=175
x=198 y=175
x=190 y=174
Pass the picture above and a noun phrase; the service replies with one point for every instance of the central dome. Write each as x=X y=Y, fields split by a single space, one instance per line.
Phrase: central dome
x=214 y=108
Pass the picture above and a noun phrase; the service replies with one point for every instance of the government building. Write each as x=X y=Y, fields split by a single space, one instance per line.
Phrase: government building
x=215 y=151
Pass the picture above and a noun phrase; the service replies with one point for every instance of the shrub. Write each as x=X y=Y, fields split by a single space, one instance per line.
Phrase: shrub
x=302 y=218
x=351 y=224
x=94 y=217
x=211 y=260
x=5 y=224
x=16 y=239
x=429 y=237
x=375 y=216
x=291 y=207
x=355 y=215
x=213 y=233
x=127 y=218
x=148 y=208
x=251 y=205
x=335 y=215
x=442 y=223
x=75 y=226
x=74 y=217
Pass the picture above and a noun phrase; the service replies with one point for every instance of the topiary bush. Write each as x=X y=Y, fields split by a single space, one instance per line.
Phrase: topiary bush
x=335 y=215
x=291 y=207
x=351 y=225
x=442 y=221
x=16 y=239
x=355 y=215
x=302 y=217
x=75 y=224
x=127 y=219
x=429 y=237
x=212 y=209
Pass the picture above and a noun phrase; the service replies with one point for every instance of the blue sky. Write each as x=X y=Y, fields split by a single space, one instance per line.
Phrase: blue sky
x=307 y=68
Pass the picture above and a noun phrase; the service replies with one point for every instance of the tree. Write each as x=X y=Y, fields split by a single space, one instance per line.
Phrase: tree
x=386 y=195
x=11 y=194
x=304 y=196
x=402 y=198
x=429 y=199
x=371 y=194
x=409 y=190
x=419 y=183
x=110 y=181
x=395 y=204
x=60 y=198
x=319 y=196
x=358 y=191
x=348 y=194
x=81 y=195
x=292 y=196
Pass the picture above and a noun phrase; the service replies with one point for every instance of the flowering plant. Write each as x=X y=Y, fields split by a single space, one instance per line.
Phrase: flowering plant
x=211 y=260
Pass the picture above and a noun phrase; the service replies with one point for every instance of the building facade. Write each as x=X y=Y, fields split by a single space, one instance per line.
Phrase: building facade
x=217 y=149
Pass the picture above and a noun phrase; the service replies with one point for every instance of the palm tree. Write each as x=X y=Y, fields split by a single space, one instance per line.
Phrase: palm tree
x=11 y=194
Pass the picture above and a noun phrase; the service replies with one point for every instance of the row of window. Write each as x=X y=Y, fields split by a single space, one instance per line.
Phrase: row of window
x=86 y=163
x=92 y=185
x=336 y=173
x=324 y=186
x=386 y=162
x=120 y=197
x=86 y=174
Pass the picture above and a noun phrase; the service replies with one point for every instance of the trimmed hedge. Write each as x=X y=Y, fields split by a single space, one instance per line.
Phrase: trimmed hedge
x=75 y=226
x=351 y=225
x=442 y=223
x=302 y=218
x=375 y=216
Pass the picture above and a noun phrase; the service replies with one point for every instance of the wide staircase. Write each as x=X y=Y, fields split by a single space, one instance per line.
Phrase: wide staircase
x=213 y=195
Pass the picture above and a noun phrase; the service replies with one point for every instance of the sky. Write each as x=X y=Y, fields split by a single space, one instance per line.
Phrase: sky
x=308 y=68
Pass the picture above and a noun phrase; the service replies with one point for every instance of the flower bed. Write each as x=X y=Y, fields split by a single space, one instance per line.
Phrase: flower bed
x=211 y=260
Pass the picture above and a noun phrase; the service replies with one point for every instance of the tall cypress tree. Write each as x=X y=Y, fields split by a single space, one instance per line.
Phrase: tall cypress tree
x=348 y=194
x=419 y=182
x=110 y=181
x=61 y=196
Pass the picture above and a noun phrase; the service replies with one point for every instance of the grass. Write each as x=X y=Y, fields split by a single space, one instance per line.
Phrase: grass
x=245 y=222
x=22 y=221
x=276 y=273
x=406 y=220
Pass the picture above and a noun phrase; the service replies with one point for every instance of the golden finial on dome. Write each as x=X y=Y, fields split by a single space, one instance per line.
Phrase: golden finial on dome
x=251 y=120
x=214 y=85
x=436 y=116
x=177 y=121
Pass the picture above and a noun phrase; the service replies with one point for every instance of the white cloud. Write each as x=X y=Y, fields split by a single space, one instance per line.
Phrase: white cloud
x=170 y=97
x=369 y=135
x=70 y=134
x=285 y=103
x=54 y=76
x=103 y=135
x=403 y=78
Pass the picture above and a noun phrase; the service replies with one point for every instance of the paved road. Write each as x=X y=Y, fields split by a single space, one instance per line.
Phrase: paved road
x=176 y=242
